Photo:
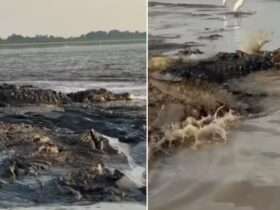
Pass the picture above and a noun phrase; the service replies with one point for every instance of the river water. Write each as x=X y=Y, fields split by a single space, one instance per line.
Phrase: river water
x=118 y=67
x=181 y=24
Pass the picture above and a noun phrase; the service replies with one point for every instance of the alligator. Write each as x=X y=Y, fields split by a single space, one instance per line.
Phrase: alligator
x=28 y=94
x=221 y=67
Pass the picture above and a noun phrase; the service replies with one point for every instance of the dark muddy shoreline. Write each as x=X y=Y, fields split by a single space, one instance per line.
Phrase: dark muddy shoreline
x=199 y=88
x=61 y=148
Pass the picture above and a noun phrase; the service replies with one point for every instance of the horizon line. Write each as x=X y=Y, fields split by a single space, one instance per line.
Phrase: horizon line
x=42 y=34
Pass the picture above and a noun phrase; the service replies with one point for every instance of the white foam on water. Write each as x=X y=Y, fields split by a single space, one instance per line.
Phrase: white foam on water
x=135 y=172
x=134 y=97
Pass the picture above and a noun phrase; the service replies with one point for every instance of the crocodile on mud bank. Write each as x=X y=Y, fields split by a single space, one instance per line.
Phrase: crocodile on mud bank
x=217 y=73
x=221 y=67
x=211 y=77
x=28 y=94
x=199 y=88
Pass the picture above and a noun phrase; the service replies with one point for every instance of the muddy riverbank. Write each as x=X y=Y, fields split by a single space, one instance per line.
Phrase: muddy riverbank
x=191 y=95
x=60 y=149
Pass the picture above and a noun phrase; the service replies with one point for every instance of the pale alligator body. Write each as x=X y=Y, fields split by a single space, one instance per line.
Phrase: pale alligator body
x=13 y=94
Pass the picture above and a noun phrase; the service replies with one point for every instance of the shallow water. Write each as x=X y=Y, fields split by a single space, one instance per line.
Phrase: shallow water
x=241 y=175
x=180 y=24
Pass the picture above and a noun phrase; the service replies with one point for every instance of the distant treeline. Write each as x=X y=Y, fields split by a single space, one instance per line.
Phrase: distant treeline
x=91 y=36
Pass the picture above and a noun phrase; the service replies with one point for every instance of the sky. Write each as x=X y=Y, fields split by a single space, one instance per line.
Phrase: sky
x=70 y=17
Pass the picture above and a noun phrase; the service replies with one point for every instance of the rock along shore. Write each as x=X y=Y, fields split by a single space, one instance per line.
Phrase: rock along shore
x=28 y=94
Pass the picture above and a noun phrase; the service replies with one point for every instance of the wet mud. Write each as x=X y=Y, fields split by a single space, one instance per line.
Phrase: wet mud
x=78 y=148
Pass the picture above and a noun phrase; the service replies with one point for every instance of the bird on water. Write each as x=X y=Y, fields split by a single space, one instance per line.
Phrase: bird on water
x=237 y=5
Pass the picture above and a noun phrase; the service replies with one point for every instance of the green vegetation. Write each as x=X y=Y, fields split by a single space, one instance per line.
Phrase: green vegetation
x=91 y=36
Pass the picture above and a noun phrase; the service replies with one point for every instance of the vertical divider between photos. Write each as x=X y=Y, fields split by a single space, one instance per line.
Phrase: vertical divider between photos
x=147 y=102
